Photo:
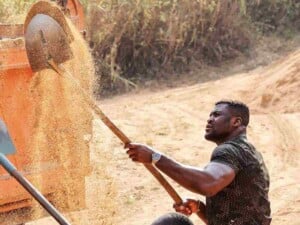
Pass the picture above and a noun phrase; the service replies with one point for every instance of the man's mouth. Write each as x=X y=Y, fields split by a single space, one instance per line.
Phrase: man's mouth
x=208 y=128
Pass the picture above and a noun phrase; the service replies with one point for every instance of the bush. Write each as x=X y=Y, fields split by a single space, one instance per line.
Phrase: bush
x=275 y=15
x=134 y=40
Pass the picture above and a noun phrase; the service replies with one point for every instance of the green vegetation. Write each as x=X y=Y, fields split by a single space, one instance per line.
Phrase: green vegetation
x=137 y=39
x=281 y=16
x=133 y=40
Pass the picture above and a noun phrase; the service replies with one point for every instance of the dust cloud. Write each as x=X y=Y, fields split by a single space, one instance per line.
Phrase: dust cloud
x=63 y=123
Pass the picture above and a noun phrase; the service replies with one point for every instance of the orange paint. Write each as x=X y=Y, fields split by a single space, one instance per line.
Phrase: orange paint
x=17 y=111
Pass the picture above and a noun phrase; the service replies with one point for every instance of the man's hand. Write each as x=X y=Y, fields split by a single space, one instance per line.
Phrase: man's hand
x=190 y=206
x=139 y=153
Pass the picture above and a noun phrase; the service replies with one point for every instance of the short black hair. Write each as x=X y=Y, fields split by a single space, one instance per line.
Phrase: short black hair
x=238 y=109
x=173 y=219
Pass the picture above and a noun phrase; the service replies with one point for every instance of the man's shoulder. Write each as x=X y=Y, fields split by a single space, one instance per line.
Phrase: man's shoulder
x=238 y=145
x=227 y=148
x=227 y=154
x=238 y=151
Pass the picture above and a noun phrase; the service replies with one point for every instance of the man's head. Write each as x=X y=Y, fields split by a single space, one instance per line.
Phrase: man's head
x=172 y=219
x=227 y=120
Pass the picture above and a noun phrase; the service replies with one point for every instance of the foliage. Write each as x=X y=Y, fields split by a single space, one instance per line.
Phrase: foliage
x=139 y=38
x=133 y=40
x=275 y=15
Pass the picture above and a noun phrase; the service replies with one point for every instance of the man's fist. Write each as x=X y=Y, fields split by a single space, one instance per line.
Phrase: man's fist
x=139 y=153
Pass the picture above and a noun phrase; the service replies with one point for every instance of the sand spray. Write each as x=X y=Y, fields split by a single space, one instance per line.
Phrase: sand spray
x=63 y=134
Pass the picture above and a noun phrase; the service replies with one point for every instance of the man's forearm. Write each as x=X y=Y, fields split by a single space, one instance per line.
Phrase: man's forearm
x=193 y=179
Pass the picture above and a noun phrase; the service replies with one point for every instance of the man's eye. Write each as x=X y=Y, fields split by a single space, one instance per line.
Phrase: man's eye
x=214 y=114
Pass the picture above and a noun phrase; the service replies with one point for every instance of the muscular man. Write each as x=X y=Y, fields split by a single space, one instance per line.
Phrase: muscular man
x=235 y=181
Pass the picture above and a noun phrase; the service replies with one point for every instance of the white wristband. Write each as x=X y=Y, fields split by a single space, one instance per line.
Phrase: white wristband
x=155 y=157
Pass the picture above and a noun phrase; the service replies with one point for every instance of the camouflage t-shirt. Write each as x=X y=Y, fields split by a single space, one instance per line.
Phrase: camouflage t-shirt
x=245 y=200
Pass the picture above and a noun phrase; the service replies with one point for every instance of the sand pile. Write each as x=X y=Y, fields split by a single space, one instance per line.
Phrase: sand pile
x=178 y=128
x=62 y=131
x=277 y=87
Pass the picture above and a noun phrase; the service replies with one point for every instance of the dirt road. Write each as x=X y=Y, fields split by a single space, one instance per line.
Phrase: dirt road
x=173 y=121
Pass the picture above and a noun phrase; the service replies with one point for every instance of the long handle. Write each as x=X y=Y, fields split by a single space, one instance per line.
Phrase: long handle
x=126 y=140
x=121 y=136
x=9 y=167
x=171 y=191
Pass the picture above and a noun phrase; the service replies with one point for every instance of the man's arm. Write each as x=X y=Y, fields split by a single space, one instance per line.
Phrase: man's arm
x=208 y=181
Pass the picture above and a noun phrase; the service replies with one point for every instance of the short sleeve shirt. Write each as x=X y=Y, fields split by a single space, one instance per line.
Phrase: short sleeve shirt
x=245 y=200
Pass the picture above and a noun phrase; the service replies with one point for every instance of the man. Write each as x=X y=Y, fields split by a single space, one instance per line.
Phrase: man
x=235 y=181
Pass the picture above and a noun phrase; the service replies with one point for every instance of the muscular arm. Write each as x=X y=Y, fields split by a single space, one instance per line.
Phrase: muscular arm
x=208 y=181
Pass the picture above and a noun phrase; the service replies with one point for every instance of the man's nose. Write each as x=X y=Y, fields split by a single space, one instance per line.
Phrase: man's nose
x=210 y=119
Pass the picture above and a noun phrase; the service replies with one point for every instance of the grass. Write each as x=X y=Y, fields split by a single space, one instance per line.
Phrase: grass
x=135 y=40
x=139 y=39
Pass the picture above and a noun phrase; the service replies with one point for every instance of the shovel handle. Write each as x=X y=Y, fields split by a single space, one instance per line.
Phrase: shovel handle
x=108 y=122
x=9 y=167
x=170 y=190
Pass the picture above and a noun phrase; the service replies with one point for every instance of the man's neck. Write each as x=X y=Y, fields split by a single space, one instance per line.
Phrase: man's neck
x=239 y=131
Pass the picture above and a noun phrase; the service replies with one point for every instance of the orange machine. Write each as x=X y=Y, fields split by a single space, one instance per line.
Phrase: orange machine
x=17 y=110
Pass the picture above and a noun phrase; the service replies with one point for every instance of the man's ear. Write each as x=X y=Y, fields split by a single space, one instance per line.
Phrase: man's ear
x=237 y=121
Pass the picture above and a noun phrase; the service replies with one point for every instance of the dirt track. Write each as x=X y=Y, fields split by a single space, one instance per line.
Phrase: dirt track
x=173 y=121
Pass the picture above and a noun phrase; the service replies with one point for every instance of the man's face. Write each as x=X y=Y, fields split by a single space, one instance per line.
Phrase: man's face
x=219 y=125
